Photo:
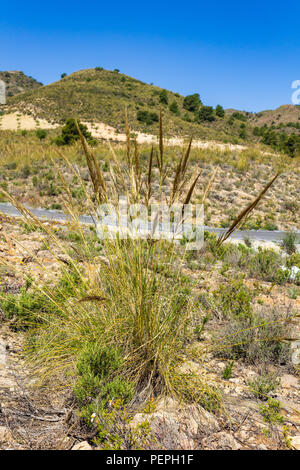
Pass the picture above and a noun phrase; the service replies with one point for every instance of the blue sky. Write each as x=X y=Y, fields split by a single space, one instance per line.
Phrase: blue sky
x=239 y=54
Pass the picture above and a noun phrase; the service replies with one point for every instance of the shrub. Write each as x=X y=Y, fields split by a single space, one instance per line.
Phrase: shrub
x=234 y=299
x=255 y=340
x=264 y=384
x=271 y=412
x=206 y=113
x=227 y=372
x=174 y=107
x=95 y=366
x=41 y=134
x=242 y=132
x=265 y=264
x=239 y=116
x=25 y=171
x=69 y=133
x=25 y=308
x=289 y=243
x=147 y=117
x=163 y=97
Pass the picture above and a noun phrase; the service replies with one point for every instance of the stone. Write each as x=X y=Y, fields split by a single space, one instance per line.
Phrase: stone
x=175 y=425
x=5 y=435
x=84 y=445
x=295 y=441
x=289 y=381
x=221 y=441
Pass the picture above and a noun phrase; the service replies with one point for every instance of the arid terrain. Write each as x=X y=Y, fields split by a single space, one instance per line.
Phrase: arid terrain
x=140 y=343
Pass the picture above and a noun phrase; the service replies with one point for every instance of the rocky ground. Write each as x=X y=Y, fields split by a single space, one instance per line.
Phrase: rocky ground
x=28 y=174
x=33 y=418
x=42 y=417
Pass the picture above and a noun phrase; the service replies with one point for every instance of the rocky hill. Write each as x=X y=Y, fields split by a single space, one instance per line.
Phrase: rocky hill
x=17 y=82
x=99 y=95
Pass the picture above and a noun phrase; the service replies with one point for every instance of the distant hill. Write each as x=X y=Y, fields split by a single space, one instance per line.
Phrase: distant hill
x=17 y=82
x=283 y=115
x=99 y=95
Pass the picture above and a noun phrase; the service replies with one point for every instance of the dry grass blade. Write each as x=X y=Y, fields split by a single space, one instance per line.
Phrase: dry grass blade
x=127 y=139
x=137 y=165
x=208 y=187
x=186 y=159
x=92 y=298
x=192 y=187
x=94 y=169
x=119 y=171
x=245 y=212
x=161 y=145
x=180 y=173
x=149 y=179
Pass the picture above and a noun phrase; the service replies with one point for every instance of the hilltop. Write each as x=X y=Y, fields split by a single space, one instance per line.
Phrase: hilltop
x=101 y=96
x=17 y=82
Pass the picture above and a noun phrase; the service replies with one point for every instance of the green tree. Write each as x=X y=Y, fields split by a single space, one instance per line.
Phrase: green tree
x=242 y=133
x=174 y=107
x=69 y=133
x=220 y=111
x=163 y=97
x=206 y=113
x=239 y=116
x=291 y=145
x=147 y=117
x=192 y=102
x=63 y=75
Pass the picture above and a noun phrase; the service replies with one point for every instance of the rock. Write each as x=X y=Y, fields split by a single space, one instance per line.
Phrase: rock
x=262 y=447
x=84 y=445
x=175 y=426
x=5 y=435
x=295 y=441
x=289 y=381
x=221 y=441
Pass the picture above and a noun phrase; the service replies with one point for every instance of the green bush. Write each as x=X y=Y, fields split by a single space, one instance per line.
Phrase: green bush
x=26 y=308
x=220 y=111
x=147 y=117
x=174 y=107
x=234 y=299
x=255 y=340
x=265 y=264
x=98 y=380
x=239 y=116
x=69 y=133
x=163 y=97
x=271 y=412
x=206 y=113
x=264 y=384
x=41 y=134
x=289 y=243
x=192 y=102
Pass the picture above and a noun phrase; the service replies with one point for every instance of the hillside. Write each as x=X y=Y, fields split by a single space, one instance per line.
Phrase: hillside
x=98 y=95
x=99 y=98
x=17 y=82
x=283 y=115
